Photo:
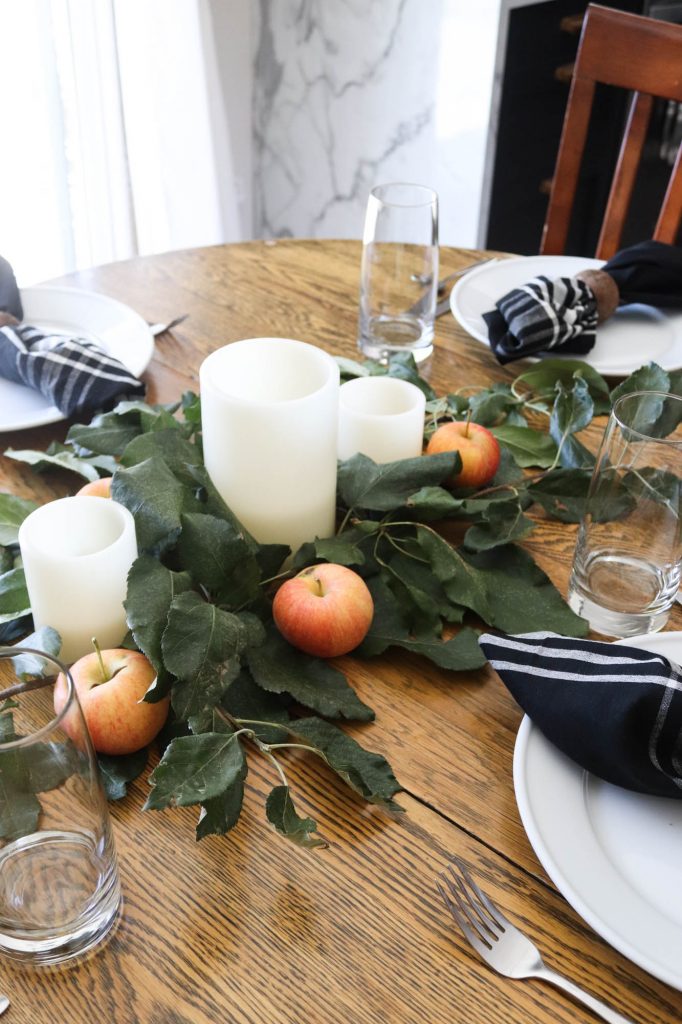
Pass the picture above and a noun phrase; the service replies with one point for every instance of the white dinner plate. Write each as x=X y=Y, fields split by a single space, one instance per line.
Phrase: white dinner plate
x=117 y=329
x=634 y=335
x=615 y=855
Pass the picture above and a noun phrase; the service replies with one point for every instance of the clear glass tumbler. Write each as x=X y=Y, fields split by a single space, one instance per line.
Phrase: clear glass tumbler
x=626 y=567
x=399 y=275
x=59 y=886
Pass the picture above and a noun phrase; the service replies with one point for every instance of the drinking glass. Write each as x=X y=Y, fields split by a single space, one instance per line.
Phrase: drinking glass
x=59 y=886
x=399 y=275
x=626 y=567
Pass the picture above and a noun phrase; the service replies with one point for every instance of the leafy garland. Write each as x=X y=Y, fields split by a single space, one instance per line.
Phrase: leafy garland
x=199 y=595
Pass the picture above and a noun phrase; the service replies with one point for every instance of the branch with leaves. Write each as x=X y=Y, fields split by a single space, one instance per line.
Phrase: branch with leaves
x=200 y=594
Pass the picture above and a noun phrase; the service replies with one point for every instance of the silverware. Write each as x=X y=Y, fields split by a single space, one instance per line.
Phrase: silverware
x=162 y=328
x=4 y=1003
x=497 y=941
x=444 y=299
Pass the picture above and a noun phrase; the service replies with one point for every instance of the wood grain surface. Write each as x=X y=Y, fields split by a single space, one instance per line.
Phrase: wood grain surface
x=247 y=928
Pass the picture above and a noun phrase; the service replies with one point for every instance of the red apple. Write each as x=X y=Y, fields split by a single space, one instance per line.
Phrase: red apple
x=97 y=488
x=326 y=610
x=110 y=693
x=478 y=449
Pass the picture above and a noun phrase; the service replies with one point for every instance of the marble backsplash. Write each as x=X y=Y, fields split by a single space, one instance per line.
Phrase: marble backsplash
x=351 y=93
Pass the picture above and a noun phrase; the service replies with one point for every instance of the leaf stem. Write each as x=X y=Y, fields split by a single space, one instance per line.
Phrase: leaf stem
x=344 y=522
x=105 y=675
x=31 y=684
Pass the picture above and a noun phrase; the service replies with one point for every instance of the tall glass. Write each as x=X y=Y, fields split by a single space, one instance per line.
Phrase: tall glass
x=399 y=275
x=626 y=567
x=59 y=886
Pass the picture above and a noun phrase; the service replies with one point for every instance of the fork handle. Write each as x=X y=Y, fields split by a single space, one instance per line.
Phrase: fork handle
x=596 y=1005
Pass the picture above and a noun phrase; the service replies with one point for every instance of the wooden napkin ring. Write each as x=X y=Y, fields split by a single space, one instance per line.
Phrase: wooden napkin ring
x=605 y=291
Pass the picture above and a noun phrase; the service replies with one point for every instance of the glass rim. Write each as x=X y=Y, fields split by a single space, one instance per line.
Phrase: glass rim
x=633 y=430
x=431 y=195
x=44 y=730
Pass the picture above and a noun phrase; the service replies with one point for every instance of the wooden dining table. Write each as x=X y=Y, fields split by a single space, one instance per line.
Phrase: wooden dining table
x=246 y=927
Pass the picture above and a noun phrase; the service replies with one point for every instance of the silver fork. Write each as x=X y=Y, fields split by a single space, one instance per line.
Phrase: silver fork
x=500 y=943
x=162 y=328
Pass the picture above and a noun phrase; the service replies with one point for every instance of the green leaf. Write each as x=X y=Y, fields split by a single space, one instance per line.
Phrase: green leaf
x=350 y=368
x=221 y=814
x=388 y=629
x=117 y=772
x=13 y=511
x=195 y=769
x=403 y=366
x=382 y=488
x=270 y=558
x=282 y=815
x=41 y=461
x=168 y=444
x=562 y=493
x=154 y=496
x=462 y=583
x=344 y=549
x=30 y=666
x=218 y=556
x=107 y=434
x=367 y=773
x=19 y=814
x=247 y=701
x=433 y=503
x=490 y=404
x=572 y=411
x=201 y=646
x=519 y=596
x=152 y=588
x=198 y=634
x=544 y=375
x=501 y=523
x=14 y=600
x=277 y=667
x=529 y=447
x=647 y=378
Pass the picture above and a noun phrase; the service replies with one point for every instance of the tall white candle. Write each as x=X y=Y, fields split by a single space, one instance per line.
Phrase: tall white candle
x=381 y=417
x=77 y=553
x=269 y=410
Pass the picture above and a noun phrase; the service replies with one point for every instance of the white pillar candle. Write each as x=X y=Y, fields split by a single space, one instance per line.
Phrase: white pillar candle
x=269 y=410
x=381 y=417
x=77 y=553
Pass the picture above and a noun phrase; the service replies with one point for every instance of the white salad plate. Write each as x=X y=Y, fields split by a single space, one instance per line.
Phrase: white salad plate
x=634 y=335
x=117 y=329
x=616 y=856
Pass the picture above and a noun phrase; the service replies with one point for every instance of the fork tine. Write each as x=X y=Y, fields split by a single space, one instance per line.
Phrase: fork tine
x=450 y=881
x=469 y=935
x=478 y=918
x=481 y=902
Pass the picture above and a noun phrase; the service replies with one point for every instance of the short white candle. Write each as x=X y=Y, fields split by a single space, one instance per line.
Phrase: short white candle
x=381 y=417
x=269 y=410
x=77 y=553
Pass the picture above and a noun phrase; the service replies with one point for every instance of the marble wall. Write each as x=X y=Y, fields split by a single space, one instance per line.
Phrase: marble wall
x=351 y=93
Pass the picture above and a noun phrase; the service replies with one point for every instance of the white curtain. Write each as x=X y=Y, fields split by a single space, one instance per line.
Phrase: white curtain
x=116 y=140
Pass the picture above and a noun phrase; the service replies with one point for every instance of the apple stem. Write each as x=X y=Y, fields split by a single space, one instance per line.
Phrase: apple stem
x=468 y=424
x=105 y=675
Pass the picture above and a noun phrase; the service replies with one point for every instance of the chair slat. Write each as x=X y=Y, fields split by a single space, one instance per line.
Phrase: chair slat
x=624 y=176
x=668 y=224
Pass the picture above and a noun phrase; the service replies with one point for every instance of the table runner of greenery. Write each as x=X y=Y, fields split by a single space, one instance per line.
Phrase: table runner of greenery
x=199 y=595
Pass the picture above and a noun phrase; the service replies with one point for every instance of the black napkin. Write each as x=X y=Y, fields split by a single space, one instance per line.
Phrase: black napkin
x=545 y=315
x=615 y=710
x=72 y=373
x=10 y=300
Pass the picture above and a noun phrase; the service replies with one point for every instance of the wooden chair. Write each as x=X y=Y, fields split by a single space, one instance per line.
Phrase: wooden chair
x=635 y=53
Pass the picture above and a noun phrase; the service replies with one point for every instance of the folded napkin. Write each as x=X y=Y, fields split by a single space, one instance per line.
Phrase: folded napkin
x=615 y=710
x=72 y=373
x=545 y=315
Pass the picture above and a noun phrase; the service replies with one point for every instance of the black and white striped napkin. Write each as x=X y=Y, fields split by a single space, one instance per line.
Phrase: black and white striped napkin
x=561 y=315
x=74 y=374
x=613 y=709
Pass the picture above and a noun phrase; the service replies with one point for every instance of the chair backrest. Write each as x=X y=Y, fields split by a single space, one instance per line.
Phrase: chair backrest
x=644 y=56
